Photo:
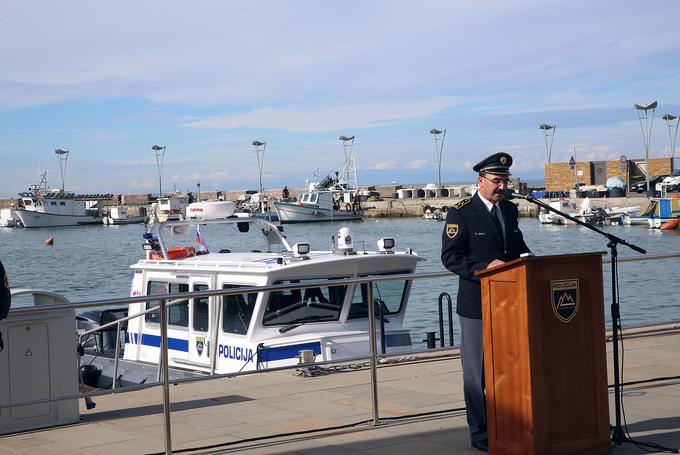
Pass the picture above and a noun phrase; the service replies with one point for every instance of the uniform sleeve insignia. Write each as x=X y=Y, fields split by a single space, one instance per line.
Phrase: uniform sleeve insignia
x=462 y=203
x=451 y=230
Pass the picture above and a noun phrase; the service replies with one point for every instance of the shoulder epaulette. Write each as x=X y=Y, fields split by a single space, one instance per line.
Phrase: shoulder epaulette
x=462 y=204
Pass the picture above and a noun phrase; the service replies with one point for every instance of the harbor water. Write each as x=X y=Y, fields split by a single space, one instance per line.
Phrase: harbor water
x=92 y=262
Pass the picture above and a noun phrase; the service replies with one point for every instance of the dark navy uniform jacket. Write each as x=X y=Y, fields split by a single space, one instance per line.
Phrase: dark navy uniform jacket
x=470 y=241
x=5 y=296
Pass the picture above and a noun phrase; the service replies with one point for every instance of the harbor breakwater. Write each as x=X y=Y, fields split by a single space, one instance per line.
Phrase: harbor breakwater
x=404 y=208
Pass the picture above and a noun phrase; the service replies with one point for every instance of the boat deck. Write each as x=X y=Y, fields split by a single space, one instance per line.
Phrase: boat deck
x=420 y=402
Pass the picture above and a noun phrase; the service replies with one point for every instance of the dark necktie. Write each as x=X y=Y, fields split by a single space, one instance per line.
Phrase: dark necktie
x=497 y=222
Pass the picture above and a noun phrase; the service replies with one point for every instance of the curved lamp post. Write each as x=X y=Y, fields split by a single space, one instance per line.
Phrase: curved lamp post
x=62 y=156
x=350 y=162
x=160 y=157
x=672 y=136
x=439 y=137
x=548 y=132
x=259 y=150
x=646 y=121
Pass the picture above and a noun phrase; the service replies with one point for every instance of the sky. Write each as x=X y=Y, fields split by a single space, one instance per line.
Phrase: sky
x=108 y=80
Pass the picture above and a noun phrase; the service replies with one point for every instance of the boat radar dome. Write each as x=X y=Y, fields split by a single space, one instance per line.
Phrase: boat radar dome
x=345 y=240
x=386 y=245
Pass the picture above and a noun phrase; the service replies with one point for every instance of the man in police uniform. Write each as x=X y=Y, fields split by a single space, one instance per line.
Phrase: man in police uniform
x=480 y=232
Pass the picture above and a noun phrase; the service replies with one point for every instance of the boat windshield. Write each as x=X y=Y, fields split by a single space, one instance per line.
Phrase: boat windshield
x=390 y=294
x=299 y=306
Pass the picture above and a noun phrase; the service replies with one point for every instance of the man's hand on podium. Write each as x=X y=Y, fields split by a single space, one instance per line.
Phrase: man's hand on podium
x=495 y=263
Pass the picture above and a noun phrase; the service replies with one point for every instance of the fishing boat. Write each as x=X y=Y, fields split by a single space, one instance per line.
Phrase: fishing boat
x=315 y=205
x=326 y=318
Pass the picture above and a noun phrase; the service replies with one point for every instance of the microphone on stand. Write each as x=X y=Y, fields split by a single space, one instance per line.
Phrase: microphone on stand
x=509 y=195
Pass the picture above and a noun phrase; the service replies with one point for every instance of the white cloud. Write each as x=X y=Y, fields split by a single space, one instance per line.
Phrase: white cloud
x=321 y=119
x=384 y=165
x=416 y=164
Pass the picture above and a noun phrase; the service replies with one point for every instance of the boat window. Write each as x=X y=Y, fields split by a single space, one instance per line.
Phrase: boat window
x=298 y=306
x=200 y=310
x=237 y=311
x=315 y=198
x=62 y=203
x=178 y=314
x=391 y=295
x=53 y=203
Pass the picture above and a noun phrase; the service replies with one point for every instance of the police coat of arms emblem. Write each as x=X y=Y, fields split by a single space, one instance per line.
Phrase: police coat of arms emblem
x=565 y=298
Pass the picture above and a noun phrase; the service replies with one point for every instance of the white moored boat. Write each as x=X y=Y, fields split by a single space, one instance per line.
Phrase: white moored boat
x=313 y=206
x=247 y=331
x=121 y=215
x=210 y=210
x=60 y=208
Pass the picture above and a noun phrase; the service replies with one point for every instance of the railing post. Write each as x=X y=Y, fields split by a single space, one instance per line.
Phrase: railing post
x=166 y=384
x=374 y=354
x=115 y=365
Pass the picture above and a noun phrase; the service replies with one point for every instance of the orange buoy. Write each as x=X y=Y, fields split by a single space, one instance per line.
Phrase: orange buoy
x=670 y=225
x=49 y=241
x=179 y=252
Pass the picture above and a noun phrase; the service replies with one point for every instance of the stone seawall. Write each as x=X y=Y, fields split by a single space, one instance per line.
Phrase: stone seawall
x=403 y=208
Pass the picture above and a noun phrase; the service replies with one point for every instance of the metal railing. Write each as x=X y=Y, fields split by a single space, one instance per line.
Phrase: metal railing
x=167 y=300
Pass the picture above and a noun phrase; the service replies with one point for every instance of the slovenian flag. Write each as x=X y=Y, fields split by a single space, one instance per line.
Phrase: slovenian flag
x=199 y=241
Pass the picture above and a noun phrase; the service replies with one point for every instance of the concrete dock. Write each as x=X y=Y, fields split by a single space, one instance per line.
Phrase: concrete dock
x=421 y=410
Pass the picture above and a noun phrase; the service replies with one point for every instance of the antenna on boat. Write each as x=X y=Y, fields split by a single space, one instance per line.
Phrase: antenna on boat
x=62 y=157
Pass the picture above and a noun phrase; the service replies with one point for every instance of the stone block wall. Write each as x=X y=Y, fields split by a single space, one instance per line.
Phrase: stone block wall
x=559 y=177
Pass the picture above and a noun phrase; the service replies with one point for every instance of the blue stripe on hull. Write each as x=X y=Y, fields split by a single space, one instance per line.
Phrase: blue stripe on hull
x=287 y=352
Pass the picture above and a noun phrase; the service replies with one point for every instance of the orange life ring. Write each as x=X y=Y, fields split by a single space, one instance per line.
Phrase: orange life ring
x=174 y=253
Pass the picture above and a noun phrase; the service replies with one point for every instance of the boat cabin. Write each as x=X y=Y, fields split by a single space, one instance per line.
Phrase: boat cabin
x=255 y=329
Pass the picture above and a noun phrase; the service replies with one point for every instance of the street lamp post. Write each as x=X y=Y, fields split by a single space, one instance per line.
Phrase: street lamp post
x=199 y=191
x=259 y=150
x=160 y=158
x=646 y=128
x=548 y=132
x=62 y=156
x=439 y=147
x=672 y=136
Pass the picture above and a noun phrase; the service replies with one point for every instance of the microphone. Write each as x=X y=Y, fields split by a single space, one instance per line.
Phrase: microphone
x=509 y=195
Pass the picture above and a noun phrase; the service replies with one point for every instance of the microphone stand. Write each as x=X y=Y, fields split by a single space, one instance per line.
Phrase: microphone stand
x=619 y=436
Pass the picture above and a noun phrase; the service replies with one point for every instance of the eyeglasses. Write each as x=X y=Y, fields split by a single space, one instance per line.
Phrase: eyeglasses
x=497 y=181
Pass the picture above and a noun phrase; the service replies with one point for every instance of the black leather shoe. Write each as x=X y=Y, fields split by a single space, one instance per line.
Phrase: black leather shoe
x=481 y=445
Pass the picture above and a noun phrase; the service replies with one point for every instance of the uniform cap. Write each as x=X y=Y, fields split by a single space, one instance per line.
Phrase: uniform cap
x=498 y=163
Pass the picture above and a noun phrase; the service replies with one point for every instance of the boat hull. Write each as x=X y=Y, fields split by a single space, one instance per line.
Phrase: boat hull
x=293 y=213
x=31 y=219
x=109 y=221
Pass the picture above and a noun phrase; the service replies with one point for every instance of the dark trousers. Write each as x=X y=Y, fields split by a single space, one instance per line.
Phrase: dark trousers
x=472 y=358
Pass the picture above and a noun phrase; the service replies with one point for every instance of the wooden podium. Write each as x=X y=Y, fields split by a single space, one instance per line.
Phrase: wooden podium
x=544 y=355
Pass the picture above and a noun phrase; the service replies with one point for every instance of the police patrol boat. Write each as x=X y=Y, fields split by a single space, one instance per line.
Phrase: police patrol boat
x=327 y=319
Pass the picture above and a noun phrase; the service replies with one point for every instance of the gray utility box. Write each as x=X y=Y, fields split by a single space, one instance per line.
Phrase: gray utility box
x=39 y=361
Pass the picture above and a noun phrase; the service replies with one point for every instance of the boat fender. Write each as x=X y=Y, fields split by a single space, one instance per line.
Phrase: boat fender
x=348 y=207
